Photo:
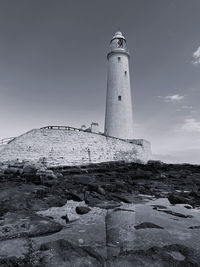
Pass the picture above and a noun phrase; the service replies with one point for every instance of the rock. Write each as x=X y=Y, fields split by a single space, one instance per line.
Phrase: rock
x=176 y=214
x=194 y=194
x=155 y=207
x=155 y=163
x=110 y=187
x=46 y=173
x=18 y=253
x=100 y=190
x=81 y=241
x=29 y=169
x=145 y=225
x=65 y=217
x=93 y=201
x=31 y=172
x=178 y=199
x=71 y=170
x=108 y=205
x=12 y=170
x=47 y=177
x=26 y=224
x=124 y=197
x=14 y=248
x=194 y=227
x=143 y=173
x=82 y=210
x=163 y=175
x=188 y=207
x=174 y=174
x=63 y=253
x=59 y=175
x=60 y=213
x=84 y=179
x=76 y=196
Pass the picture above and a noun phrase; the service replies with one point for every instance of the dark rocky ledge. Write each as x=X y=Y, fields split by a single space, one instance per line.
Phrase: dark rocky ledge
x=33 y=234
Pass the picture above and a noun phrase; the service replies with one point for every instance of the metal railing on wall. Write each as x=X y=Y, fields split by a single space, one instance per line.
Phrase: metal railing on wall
x=68 y=128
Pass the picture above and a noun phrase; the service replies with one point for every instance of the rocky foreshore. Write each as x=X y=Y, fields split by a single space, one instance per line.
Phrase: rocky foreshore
x=108 y=214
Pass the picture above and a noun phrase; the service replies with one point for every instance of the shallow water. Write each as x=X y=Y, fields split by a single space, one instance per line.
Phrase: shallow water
x=110 y=232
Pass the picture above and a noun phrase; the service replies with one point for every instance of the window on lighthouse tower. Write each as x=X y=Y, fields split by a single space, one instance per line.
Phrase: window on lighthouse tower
x=120 y=43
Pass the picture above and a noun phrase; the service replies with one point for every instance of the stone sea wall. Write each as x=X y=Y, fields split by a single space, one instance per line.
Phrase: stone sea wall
x=67 y=147
x=2 y=147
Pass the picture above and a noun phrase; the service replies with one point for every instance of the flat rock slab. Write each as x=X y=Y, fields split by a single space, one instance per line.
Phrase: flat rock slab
x=172 y=255
x=63 y=253
x=83 y=230
x=18 y=248
x=27 y=224
x=176 y=225
x=69 y=209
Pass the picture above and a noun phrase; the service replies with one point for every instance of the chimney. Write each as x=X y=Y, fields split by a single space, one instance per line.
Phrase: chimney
x=94 y=127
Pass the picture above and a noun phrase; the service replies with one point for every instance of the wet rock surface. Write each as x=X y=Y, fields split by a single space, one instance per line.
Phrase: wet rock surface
x=115 y=213
x=172 y=255
x=23 y=223
x=63 y=253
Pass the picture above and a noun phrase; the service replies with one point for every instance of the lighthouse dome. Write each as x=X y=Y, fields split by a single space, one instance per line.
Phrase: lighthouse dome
x=118 y=42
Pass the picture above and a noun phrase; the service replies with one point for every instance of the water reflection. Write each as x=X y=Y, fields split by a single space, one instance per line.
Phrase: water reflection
x=152 y=222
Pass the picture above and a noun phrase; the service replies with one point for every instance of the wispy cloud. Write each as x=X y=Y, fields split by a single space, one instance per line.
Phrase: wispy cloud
x=191 y=125
x=173 y=98
x=186 y=107
x=196 y=57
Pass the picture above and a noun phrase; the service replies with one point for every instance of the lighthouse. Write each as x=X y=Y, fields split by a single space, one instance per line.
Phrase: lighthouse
x=119 y=117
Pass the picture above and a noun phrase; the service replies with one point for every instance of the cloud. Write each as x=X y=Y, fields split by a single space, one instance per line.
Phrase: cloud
x=173 y=98
x=191 y=125
x=186 y=107
x=196 y=57
x=193 y=111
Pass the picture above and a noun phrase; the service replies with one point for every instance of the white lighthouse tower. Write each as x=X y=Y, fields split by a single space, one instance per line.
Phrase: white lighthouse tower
x=119 y=118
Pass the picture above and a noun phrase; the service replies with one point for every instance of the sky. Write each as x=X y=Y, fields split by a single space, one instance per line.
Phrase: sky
x=53 y=66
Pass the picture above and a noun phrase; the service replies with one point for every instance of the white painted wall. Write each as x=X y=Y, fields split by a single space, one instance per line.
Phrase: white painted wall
x=2 y=147
x=64 y=147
